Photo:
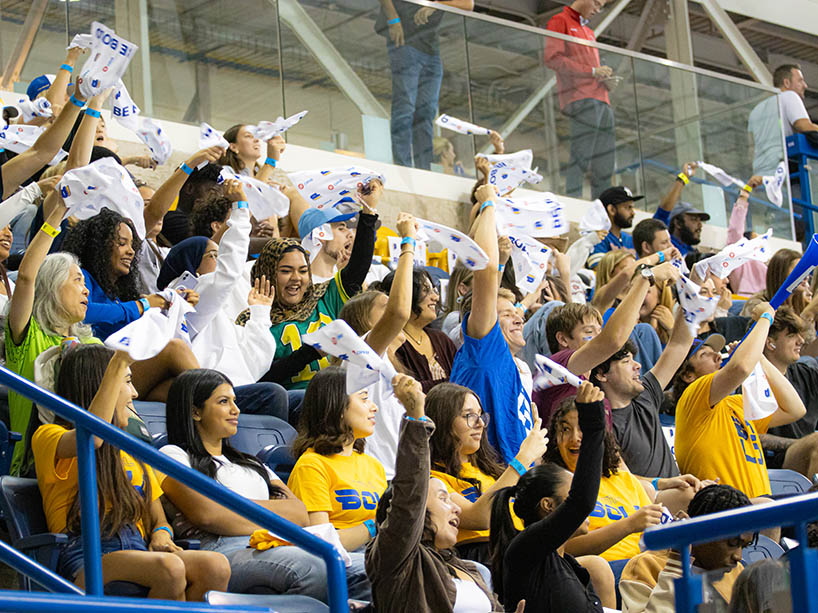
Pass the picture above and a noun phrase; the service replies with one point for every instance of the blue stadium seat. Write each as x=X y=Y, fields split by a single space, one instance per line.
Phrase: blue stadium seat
x=7 y=442
x=154 y=416
x=667 y=420
x=259 y=431
x=278 y=603
x=279 y=458
x=765 y=548
x=787 y=482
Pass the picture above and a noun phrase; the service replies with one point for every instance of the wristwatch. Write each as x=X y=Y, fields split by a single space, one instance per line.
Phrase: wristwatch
x=647 y=273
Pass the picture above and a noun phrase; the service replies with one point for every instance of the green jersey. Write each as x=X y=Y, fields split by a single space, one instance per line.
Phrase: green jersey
x=288 y=333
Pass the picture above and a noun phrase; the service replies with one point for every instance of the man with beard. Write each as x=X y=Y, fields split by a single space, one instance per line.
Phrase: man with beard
x=333 y=254
x=618 y=202
x=685 y=226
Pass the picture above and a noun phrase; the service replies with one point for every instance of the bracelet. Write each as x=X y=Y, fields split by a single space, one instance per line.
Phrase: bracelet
x=67 y=67
x=767 y=316
x=186 y=169
x=501 y=267
x=392 y=22
x=78 y=103
x=518 y=466
x=92 y=113
x=683 y=178
x=655 y=484
x=485 y=204
x=747 y=188
x=49 y=229
x=145 y=305
x=408 y=240
x=409 y=418
x=270 y=162
x=165 y=528
x=242 y=204
x=661 y=256
x=370 y=525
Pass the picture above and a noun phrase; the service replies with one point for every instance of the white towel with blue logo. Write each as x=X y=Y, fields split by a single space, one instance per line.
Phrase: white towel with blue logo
x=328 y=187
x=759 y=401
x=263 y=199
x=265 y=130
x=542 y=217
x=530 y=258
x=107 y=61
x=461 y=127
x=468 y=252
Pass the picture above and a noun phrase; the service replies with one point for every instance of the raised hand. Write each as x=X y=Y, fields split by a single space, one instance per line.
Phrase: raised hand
x=210 y=155
x=410 y=394
x=263 y=292
x=407 y=226
x=234 y=190
x=535 y=443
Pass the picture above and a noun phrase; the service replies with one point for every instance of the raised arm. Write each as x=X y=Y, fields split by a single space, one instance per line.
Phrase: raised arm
x=275 y=149
x=790 y=405
x=360 y=259
x=675 y=352
x=484 y=286
x=57 y=90
x=671 y=198
x=83 y=143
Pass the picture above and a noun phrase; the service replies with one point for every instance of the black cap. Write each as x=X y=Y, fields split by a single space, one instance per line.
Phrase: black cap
x=618 y=195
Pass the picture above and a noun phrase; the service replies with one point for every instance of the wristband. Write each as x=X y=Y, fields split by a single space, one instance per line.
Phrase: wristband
x=242 y=204
x=392 y=22
x=655 y=484
x=518 y=466
x=145 y=306
x=92 y=113
x=766 y=316
x=67 y=67
x=747 y=188
x=661 y=256
x=78 y=103
x=49 y=229
x=424 y=418
x=370 y=525
x=408 y=240
x=683 y=178
x=485 y=204
x=270 y=162
x=186 y=169
x=166 y=529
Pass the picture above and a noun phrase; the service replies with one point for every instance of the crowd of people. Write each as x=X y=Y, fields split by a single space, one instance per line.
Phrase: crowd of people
x=462 y=479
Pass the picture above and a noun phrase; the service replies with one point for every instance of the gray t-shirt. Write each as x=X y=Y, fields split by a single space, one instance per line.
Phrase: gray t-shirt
x=765 y=124
x=639 y=433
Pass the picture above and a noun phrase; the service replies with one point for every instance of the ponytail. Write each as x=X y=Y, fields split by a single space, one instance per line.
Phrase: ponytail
x=501 y=532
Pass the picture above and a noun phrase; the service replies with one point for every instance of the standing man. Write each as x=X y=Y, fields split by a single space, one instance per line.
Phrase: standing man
x=414 y=57
x=583 y=86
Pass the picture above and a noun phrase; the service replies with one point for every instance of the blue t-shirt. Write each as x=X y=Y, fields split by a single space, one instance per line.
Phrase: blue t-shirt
x=611 y=241
x=106 y=315
x=487 y=367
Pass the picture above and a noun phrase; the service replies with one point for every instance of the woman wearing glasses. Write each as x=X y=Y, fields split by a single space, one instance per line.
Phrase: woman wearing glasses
x=469 y=466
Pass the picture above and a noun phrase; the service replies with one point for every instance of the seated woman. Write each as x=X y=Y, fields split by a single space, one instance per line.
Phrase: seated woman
x=463 y=459
x=533 y=564
x=202 y=416
x=410 y=562
x=426 y=354
x=137 y=542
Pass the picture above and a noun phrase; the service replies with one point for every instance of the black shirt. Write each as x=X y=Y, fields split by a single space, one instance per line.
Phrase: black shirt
x=639 y=433
x=804 y=378
x=424 y=37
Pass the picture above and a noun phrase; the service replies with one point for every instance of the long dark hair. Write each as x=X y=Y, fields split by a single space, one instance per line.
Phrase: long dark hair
x=92 y=241
x=322 y=424
x=443 y=405
x=231 y=158
x=543 y=481
x=78 y=380
x=611 y=457
x=190 y=391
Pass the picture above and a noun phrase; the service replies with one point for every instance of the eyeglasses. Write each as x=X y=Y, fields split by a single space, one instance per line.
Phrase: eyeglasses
x=472 y=419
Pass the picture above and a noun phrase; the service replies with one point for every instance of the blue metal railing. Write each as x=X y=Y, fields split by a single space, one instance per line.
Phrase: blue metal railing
x=87 y=427
x=796 y=511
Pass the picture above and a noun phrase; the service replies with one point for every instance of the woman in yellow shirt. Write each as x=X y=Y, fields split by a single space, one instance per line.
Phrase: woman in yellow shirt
x=137 y=542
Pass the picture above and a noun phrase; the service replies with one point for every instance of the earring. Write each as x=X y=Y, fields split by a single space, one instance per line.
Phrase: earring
x=772 y=345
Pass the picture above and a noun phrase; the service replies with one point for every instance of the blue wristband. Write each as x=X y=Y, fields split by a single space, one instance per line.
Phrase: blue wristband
x=270 y=162
x=392 y=22
x=768 y=317
x=67 y=67
x=78 y=103
x=485 y=204
x=661 y=256
x=92 y=113
x=655 y=484
x=518 y=466
x=145 y=305
x=166 y=529
x=186 y=169
x=242 y=204
x=408 y=418
x=408 y=240
x=373 y=529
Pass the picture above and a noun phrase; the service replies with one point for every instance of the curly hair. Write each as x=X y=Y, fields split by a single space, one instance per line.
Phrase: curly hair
x=93 y=241
x=611 y=457
x=214 y=207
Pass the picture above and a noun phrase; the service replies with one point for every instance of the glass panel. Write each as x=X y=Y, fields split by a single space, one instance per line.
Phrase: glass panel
x=768 y=588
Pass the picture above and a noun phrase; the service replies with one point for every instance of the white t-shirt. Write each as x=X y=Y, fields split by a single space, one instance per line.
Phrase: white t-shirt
x=764 y=124
x=470 y=598
x=239 y=479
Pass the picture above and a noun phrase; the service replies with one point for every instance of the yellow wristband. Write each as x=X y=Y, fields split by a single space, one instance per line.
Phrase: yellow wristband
x=683 y=178
x=747 y=188
x=50 y=230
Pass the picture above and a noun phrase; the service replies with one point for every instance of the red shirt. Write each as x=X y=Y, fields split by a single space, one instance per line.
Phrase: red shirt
x=574 y=64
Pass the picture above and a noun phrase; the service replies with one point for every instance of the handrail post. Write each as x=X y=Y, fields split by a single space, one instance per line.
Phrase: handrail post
x=688 y=587
x=803 y=570
x=89 y=511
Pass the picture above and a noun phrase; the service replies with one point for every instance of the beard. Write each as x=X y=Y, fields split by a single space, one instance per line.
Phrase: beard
x=687 y=236
x=621 y=221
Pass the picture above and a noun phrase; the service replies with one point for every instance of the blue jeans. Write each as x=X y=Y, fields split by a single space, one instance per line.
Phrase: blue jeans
x=71 y=558
x=416 y=79
x=593 y=146
x=263 y=399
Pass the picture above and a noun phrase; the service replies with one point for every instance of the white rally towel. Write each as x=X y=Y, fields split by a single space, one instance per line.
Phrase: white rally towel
x=458 y=125
x=328 y=187
x=530 y=258
x=468 y=252
x=719 y=175
x=81 y=41
x=209 y=137
x=147 y=336
x=265 y=130
x=263 y=199
x=32 y=109
x=540 y=218
x=596 y=219
x=507 y=178
x=549 y=374
x=109 y=58
x=312 y=242
x=124 y=109
x=774 y=184
x=759 y=401
x=420 y=251
x=695 y=308
x=21 y=137
x=733 y=256
x=364 y=366
x=157 y=140
x=523 y=158
x=103 y=183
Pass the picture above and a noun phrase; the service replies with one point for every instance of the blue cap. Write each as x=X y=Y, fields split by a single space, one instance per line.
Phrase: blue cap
x=313 y=218
x=38 y=86
x=715 y=341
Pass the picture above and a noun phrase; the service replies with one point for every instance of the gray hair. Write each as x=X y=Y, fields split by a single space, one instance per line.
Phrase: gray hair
x=47 y=310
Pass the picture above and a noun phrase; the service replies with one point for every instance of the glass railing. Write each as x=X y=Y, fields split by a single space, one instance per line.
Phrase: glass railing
x=230 y=61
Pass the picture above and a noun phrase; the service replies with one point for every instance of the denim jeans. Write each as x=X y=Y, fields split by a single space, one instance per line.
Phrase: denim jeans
x=416 y=79
x=283 y=570
x=263 y=399
x=593 y=146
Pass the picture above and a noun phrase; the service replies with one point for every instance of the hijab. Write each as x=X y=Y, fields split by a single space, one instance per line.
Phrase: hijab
x=184 y=256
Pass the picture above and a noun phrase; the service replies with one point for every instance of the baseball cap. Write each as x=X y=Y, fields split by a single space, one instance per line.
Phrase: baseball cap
x=618 y=195
x=313 y=218
x=686 y=207
x=715 y=341
x=38 y=85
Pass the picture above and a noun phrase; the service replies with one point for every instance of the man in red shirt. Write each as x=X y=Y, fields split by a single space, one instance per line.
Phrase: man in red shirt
x=583 y=86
